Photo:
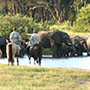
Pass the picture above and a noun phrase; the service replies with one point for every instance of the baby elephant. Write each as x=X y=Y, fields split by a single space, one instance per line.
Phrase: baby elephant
x=65 y=50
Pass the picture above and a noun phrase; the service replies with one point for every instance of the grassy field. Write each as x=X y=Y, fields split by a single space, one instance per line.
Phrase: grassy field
x=37 y=78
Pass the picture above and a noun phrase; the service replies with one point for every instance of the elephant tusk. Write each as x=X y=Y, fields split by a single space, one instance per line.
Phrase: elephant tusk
x=69 y=44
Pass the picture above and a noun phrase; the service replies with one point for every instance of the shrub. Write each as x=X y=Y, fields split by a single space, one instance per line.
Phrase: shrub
x=8 y=22
x=65 y=26
x=24 y=25
x=82 y=23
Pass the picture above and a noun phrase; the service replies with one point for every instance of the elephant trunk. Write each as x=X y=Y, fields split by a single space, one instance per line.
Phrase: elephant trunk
x=84 y=44
x=73 y=51
x=69 y=42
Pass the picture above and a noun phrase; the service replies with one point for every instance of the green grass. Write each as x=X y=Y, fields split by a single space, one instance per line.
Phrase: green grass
x=47 y=51
x=38 y=78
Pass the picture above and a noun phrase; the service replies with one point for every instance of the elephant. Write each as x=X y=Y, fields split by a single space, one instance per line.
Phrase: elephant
x=3 y=46
x=44 y=39
x=65 y=50
x=54 y=39
x=88 y=43
x=80 y=45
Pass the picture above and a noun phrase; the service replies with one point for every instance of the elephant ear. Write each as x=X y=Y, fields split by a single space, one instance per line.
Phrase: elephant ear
x=56 y=37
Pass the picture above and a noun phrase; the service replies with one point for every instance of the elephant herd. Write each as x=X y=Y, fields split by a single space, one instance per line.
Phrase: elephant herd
x=64 y=45
x=61 y=43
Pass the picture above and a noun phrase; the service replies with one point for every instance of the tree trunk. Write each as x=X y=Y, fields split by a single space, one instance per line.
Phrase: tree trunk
x=14 y=8
x=5 y=7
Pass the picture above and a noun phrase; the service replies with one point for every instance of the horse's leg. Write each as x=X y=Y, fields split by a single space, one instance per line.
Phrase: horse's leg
x=12 y=62
x=34 y=62
x=29 y=59
x=17 y=61
x=8 y=61
x=39 y=61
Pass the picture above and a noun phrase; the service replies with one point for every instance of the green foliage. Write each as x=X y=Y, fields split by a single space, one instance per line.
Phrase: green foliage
x=1 y=11
x=47 y=51
x=42 y=26
x=8 y=22
x=24 y=25
x=82 y=23
x=65 y=26
x=52 y=21
x=72 y=15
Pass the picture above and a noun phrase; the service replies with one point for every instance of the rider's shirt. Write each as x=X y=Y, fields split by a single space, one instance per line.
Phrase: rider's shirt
x=14 y=36
x=34 y=39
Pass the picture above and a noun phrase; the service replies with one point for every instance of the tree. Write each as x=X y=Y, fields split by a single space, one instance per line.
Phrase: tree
x=42 y=10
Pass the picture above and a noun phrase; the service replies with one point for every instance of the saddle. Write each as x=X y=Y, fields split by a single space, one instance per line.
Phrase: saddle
x=19 y=47
x=33 y=46
x=21 y=50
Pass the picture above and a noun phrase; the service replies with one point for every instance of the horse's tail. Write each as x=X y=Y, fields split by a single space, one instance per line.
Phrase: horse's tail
x=10 y=53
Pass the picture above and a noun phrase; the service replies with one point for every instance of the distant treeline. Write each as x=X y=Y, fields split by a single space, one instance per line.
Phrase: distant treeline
x=42 y=10
x=27 y=15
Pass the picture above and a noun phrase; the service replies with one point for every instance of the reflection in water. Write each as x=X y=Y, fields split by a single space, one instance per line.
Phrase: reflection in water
x=74 y=62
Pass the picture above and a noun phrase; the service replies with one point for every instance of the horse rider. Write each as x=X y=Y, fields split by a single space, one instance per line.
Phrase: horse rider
x=34 y=39
x=14 y=37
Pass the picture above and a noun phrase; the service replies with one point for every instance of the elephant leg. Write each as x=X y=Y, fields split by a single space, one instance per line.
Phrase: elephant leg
x=54 y=51
x=87 y=48
x=60 y=51
x=88 y=54
x=80 y=53
x=72 y=53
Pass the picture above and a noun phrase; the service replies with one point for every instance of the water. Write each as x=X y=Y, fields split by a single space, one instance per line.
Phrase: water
x=71 y=62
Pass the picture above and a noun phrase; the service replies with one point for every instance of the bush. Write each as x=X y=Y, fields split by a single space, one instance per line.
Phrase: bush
x=82 y=23
x=8 y=22
x=47 y=51
x=65 y=26
x=24 y=25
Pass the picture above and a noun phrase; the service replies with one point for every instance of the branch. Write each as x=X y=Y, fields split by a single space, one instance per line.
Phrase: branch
x=51 y=11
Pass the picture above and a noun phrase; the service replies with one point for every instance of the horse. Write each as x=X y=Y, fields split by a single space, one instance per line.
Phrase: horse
x=13 y=50
x=36 y=53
